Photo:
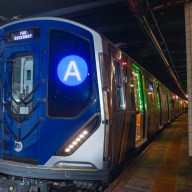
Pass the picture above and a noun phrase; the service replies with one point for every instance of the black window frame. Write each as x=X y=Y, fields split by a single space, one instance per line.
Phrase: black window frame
x=92 y=76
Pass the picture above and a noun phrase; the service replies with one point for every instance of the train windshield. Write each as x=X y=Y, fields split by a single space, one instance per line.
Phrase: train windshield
x=70 y=85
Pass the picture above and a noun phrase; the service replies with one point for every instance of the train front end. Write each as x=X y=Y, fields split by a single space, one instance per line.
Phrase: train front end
x=51 y=103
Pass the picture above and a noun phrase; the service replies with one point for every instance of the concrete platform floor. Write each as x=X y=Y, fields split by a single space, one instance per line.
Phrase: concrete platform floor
x=164 y=166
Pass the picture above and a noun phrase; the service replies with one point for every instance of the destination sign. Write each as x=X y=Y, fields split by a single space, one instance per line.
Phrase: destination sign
x=22 y=35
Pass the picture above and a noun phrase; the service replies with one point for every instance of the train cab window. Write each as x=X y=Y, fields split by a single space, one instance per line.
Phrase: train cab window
x=120 y=85
x=22 y=85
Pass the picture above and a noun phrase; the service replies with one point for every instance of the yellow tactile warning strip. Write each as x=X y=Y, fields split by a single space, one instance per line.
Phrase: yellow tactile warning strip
x=164 y=166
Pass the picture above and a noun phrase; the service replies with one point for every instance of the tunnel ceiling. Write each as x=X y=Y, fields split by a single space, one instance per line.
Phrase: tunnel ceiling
x=152 y=32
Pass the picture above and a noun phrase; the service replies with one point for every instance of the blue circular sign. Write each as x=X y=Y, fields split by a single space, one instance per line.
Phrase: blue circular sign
x=72 y=70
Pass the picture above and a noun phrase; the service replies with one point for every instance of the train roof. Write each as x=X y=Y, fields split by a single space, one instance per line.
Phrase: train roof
x=51 y=19
x=82 y=26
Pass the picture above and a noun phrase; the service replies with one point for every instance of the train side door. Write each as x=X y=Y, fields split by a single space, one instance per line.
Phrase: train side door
x=20 y=93
x=120 y=115
x=1 y=96
x=159 y=104
x=152 y=117
x=139 y=104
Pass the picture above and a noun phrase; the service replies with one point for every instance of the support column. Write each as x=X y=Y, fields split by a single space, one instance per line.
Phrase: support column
x=188 y=34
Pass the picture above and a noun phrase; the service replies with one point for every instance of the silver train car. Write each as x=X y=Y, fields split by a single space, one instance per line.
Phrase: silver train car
x=74 y=107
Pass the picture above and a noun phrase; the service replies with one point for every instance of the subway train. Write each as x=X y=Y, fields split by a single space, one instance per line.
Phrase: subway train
x=74 y=107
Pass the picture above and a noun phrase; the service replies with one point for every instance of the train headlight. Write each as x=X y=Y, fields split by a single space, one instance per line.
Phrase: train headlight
x=79 y=139
x=67 y=150
x=74 y=143
x=86 y=131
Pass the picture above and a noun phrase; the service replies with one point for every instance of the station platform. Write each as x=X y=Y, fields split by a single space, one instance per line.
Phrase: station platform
x=164 y=166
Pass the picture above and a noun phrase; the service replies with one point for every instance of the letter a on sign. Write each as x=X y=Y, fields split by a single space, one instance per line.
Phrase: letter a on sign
x=72 y=70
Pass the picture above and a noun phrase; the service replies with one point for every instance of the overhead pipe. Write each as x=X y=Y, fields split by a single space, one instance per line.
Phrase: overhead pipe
x=145 y=25
x=169 y=4
x=136 y=9
x=161 y=35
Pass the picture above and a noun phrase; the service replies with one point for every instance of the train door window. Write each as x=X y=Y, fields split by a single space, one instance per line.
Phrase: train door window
x=22 y=84
x=120 y=85
x=150 y=91
x=136 y=76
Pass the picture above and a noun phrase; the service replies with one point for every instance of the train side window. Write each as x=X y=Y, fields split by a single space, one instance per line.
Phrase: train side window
x=120 y=83
x=22 y=84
